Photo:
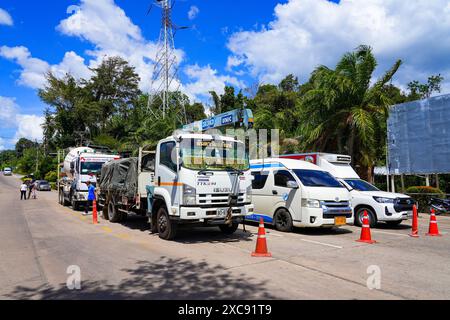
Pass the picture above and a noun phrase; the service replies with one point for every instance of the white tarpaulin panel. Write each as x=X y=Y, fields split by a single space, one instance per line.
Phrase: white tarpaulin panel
x=419 y=137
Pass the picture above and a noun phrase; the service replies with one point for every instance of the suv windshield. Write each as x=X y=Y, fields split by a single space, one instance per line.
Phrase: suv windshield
x=315 y=178
x=217 y=155
x=91 y=167
x=361 y=185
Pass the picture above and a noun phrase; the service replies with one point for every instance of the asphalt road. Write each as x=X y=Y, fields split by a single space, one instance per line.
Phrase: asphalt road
x=39 y=240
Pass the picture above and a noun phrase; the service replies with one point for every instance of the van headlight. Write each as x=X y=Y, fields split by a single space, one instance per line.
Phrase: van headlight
x=249 y=195
x=189 y=196
x=311 y=203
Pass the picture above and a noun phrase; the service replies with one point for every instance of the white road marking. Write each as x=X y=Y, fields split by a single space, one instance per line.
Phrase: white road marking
x=322 y=243
x=390 y=233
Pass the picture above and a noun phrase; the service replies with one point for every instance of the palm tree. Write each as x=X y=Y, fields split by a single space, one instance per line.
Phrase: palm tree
x=342 y=112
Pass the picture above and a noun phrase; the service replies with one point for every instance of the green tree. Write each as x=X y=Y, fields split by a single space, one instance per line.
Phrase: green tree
x=344 y=113
x=420 y=91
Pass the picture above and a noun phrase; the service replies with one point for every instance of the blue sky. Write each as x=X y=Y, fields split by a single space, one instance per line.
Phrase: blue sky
x=230 y=42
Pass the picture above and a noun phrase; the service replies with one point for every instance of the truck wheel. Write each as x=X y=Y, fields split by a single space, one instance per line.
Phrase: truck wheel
x=167 y=229
x=229 y=230
x=359 y=216
x=113 y=213
x=61 y=198
x=283 y=221
x=75 y=205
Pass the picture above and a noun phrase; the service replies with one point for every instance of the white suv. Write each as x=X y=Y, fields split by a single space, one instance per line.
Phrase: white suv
x=7 y=172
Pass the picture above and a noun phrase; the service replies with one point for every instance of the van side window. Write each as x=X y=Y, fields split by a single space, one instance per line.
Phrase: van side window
x=166 y=155
x=260 y=180
x=282 y=177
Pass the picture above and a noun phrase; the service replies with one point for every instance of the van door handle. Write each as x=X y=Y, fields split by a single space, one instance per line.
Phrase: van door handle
x=274 y=192
x=159 y=181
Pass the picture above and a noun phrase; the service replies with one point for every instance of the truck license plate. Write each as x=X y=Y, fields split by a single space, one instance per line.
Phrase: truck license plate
x=340 y=221
x=222 y=212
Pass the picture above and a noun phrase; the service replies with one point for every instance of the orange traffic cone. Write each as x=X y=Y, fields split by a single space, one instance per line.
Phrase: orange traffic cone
x=366 y=237
x=261 y=244
x=94 y=212
x=415 y=224
x=433 y=231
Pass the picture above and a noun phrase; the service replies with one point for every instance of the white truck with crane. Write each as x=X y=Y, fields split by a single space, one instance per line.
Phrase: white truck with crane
x=81 y=164
x=193 y=178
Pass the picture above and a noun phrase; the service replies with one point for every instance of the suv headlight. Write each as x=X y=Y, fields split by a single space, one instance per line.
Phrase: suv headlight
x=249 y=195
x=311 y=203
x=189 y=196
x=383 y=200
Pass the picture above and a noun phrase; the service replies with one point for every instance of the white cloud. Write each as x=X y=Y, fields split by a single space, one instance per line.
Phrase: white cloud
x=26 y=125
x=193 y=12
x=205 y=79
x=8 y=112
x=34 y=69
x=5 y=18
x=306 y=33
x=30 y=127
x=112 y=33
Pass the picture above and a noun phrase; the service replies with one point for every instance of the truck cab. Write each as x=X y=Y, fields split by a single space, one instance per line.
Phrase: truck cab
x=392 y=208
x=200 y=179
x=291 y=193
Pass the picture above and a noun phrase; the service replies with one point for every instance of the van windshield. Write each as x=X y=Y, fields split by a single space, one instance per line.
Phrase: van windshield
x=361 y=185
x=316 y=178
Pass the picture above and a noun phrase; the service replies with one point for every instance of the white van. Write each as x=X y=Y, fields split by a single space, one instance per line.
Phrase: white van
x=7 y=172
x=392 y=208
x=288 y=193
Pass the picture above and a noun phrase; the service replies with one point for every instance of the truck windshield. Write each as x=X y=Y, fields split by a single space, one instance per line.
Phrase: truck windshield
x=315 y=178
x=361 y=185
x=220 y=155
x=91 y=167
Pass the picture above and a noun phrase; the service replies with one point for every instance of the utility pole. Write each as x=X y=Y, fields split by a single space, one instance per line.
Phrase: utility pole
x=165 y=86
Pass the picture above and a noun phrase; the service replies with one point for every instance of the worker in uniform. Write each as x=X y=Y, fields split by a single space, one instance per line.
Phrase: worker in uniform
x=91 y=197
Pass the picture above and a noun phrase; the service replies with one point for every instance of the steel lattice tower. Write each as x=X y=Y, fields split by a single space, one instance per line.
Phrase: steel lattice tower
x=165 y=83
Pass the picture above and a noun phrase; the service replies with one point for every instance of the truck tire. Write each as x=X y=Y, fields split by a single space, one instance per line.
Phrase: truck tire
x=166 y=228
x=229 y=230
x=359 y=216
x=75 y=205
x=283 y=221
x=113 y=214
x=105 y=215
x=61 y=198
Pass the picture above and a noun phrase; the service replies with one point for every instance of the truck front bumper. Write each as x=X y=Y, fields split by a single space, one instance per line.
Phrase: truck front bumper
x=209 y=215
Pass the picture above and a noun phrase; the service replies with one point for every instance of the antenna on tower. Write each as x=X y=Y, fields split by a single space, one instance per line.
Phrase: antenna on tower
x=165 y=87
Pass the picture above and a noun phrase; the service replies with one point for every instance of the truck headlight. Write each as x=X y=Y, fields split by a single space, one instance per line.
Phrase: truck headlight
x=189 y=196
x=311 y=203
x=249 y=195
x=383 y=200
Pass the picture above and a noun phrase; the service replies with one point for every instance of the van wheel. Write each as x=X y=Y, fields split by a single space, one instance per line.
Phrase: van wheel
x=229 y=230
x=167 y=229
x=113 y=214
x=283 y=221
x=359 y=216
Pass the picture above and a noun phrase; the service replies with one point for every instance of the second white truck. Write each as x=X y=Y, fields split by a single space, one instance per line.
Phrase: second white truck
x=392 y=208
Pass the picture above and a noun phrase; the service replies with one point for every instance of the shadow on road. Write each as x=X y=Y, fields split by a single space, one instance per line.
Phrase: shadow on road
x=174 y=279
x=309 y=231
x=188 y=235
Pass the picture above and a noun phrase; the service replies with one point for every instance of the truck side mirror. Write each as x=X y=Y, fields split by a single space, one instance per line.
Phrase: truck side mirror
x=292 y=185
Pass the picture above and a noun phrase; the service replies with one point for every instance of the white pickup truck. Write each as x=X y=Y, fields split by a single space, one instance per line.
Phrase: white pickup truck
x=392 y=208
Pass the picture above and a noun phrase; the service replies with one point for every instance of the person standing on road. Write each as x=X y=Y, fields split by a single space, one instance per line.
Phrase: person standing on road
x=30 y=188
x=23 y=191
x=91 y=197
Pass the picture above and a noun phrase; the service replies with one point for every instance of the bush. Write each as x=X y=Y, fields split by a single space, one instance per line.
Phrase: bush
x=52 y=176
x=423 y=194
x=53 y=185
